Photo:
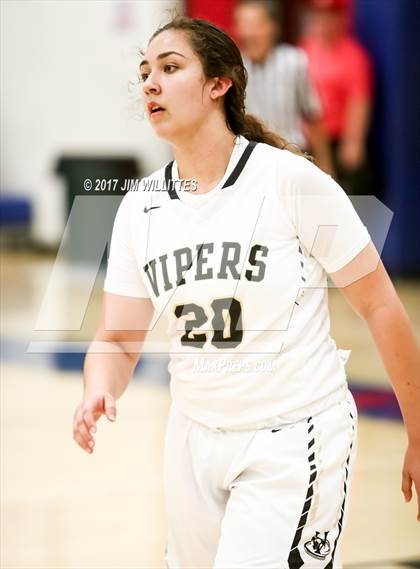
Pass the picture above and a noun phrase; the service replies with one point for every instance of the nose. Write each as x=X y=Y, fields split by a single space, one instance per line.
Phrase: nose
x=150 y=85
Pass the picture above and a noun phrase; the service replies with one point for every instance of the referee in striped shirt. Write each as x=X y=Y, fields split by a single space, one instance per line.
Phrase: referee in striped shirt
x=279 y=90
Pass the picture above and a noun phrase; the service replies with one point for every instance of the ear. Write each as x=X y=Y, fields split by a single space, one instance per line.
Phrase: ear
x=220 y=86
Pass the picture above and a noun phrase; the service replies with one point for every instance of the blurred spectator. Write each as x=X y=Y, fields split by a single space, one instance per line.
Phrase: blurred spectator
x=279 y=90
x=342 y=73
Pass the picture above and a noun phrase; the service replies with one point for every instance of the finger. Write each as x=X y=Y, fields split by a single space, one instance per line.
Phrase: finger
x=77 y=417
x=89 y=420
x=110 y=408
x=88 y=438
x=80 y=428
x=86 y=443
x=78 y=423
x=406 y=485
x=81 y=442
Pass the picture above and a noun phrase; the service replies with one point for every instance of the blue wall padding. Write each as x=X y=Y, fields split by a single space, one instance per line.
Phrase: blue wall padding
x=389 y=30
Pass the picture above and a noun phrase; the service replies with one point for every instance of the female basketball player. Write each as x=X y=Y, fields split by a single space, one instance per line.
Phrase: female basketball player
x=261 y=436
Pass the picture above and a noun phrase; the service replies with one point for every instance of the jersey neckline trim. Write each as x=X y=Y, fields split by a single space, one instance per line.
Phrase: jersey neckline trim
x=229 y=182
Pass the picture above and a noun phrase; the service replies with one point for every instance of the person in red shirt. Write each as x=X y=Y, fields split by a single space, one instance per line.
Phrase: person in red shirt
x=342 y=72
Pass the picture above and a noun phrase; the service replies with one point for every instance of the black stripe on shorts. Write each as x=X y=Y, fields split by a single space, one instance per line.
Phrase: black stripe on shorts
x=340 y=521
x=295 y=560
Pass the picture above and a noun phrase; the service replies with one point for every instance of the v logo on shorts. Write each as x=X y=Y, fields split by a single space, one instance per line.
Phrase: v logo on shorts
x=318 y=547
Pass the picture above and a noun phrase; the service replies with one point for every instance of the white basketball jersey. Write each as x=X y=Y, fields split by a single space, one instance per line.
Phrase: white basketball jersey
x=241 y=275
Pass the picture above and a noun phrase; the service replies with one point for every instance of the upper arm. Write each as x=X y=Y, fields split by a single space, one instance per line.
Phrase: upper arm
x=124 y=321
x=127 y=309
x=123 y=326
x=364 y=282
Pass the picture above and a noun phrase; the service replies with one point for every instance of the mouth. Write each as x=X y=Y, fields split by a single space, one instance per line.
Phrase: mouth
x=155 y=109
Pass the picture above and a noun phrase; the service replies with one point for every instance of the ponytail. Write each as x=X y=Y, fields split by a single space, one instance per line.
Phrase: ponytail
x=254 y=129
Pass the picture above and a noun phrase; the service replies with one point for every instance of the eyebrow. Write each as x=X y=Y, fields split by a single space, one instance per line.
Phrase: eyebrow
x=161 y=56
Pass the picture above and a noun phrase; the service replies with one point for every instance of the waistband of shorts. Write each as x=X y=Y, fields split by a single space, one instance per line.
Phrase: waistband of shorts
x=301 y=414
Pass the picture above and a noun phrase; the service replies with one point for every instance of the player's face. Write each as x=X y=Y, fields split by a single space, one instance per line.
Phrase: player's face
x=173 y=79
x=254 y=30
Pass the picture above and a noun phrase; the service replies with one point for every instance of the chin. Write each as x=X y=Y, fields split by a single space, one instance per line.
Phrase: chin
x=176 y=132
x=166 y=132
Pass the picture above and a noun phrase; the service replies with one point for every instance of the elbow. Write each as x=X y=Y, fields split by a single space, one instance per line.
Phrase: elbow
x=379 y=310
x=121 y=344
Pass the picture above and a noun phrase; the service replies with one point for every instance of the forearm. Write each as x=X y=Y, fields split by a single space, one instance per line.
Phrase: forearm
x=108 y=367
x=396 y=342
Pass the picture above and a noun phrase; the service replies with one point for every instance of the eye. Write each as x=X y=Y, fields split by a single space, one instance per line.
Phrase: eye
x=143 y=77
x=169 y=65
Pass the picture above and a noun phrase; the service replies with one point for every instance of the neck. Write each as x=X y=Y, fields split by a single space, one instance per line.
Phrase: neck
x=204 y=155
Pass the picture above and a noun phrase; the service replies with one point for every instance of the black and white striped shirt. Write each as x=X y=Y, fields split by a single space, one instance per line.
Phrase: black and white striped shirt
x=280 y=92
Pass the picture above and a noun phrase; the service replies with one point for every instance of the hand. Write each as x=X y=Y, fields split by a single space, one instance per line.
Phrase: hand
x=351 y=154
x=410 y=474
x=87 y=414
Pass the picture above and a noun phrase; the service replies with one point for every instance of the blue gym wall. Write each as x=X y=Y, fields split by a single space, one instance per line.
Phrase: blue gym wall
x=390 y=31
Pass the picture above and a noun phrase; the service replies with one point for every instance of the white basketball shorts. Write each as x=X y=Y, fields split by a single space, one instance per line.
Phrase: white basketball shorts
x=269 y=499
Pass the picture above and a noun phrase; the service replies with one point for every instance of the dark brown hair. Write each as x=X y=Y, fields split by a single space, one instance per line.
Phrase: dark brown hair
x=220 y=57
